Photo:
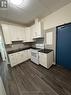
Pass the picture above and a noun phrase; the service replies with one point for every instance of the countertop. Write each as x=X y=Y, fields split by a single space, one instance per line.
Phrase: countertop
x=10 y=51
x=36 y=48
x=14 y=50
x=45 y=50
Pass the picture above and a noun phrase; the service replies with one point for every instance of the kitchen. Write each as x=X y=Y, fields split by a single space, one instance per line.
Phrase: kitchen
x=34 y=53
x=16 y=48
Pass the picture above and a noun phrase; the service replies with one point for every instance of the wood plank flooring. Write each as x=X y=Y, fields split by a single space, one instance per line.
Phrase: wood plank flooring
x=31 y=79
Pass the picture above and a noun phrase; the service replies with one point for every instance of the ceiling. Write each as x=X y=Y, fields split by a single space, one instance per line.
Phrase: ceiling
x=30 y=10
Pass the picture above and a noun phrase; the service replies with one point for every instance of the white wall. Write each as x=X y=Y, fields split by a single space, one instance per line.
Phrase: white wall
x=59 y=17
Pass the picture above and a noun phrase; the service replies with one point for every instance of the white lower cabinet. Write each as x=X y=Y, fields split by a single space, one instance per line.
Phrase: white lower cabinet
x=46 y=60
x=29 y=53
x=25 y=54
x=19 y=57
x=12 y=58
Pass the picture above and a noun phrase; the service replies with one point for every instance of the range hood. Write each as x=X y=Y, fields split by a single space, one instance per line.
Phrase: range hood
x=38 y=29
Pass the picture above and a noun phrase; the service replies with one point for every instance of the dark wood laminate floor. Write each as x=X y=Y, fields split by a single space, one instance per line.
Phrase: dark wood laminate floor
x=30 y=79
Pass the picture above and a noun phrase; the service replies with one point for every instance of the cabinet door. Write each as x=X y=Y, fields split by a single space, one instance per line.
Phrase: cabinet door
x=25 y=55
x=38 y=30
x=32 y=33
x=12 y=59
x=43 y=59
x=29 y=53
x=18 y=57
x=22 y=33
x=49 y=59
x=21 y=56
x=13 y=32
x=6 y=33
x=17 y=33
x=27 y=34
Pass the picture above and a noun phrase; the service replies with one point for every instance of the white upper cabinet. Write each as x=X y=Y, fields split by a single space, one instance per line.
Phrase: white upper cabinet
x=13 y=33
x=17 y=33
x=28 y=34
x=6 y=33
x=32 y=32
x=22 y=33
x=37 y=30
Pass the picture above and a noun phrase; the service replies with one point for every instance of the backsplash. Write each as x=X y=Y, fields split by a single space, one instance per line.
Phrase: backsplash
x=17 y=45
x=39 y=43
x=17 y=42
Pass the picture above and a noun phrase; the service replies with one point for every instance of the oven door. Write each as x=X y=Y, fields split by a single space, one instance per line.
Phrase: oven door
x=34 y=56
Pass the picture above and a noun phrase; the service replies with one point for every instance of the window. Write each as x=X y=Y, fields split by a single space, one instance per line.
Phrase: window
x=49 y=38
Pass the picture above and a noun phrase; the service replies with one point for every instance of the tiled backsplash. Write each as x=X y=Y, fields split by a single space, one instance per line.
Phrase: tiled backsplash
x=39 y=43
x=17 y=45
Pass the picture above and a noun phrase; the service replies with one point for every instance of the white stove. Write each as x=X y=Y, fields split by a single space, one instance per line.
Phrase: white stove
x=35 y=53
